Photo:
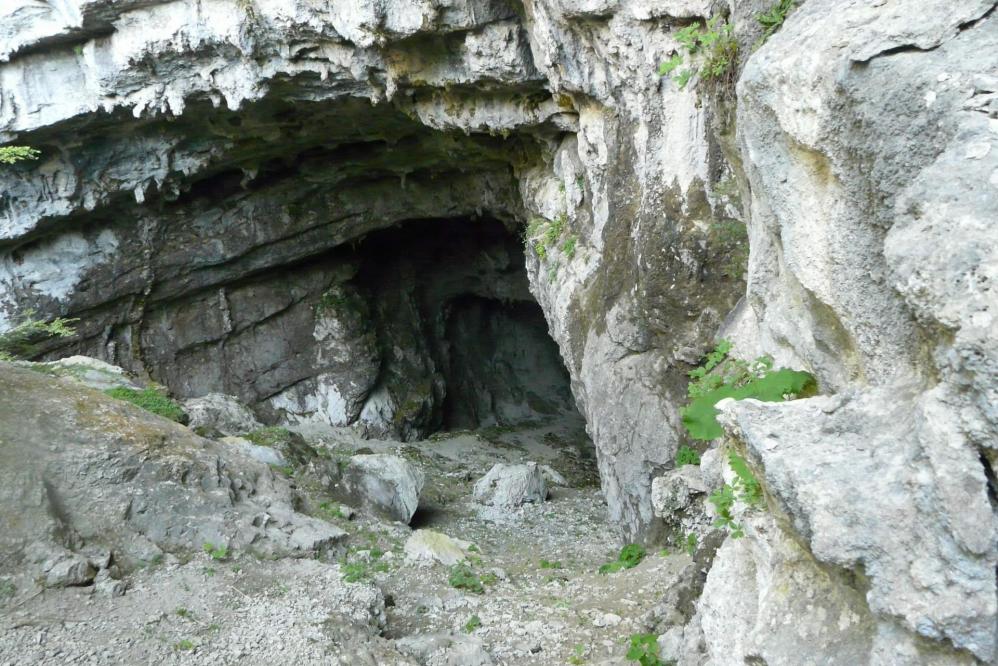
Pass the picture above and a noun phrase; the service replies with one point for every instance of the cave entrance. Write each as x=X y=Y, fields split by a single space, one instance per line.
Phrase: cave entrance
x=461 y=342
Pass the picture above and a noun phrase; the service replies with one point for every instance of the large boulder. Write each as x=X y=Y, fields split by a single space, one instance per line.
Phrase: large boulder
x=509 y=486
x=428 y=546
x=382 y=483
x=220 y=414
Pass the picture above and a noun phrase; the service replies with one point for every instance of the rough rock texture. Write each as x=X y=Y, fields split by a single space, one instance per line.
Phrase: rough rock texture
x=206 y=166
x=90 y=482
x=222 y=414
x=387 y=484
x=212 y=171
x=511 y=486
x=872 y=266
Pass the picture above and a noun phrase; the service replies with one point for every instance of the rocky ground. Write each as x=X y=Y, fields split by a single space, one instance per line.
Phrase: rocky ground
x=541 y=600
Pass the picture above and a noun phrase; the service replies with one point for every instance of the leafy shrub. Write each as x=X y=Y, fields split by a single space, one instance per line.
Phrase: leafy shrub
x=13 y=154
x=687 y=456
x=644 y=650
x=217 y=553
x=463 y=577
x=548 y=564
x=745 y=487
x=712 y=52
x=630 y=556
x=22 y=341
x=722 y=377
x=772 y=20
x=152 y=400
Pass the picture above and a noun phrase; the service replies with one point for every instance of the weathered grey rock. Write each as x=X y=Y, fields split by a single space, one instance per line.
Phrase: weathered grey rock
x=679 y=498
x=428 y=546
x=382 y=483
x=91 y=372
x=509 y=486
x=85 y=476
x=880 y=483
x=677 y=489
x=218 y=413
x=212 y=216
x=871 y=260
x=265 y=454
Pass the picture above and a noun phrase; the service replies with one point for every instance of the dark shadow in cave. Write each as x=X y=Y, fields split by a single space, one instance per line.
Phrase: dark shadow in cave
x=463 y=343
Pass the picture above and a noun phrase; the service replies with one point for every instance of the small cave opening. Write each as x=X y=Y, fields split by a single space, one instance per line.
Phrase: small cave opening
x=460 y=342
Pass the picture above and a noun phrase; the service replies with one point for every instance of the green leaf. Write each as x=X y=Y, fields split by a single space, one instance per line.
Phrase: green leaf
x=670 y=65
x=700 y=416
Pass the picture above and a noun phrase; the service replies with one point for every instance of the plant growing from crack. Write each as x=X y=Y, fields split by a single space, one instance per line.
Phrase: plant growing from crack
x=722 y=376
x=544 y=236
x=772 y=19
x=23 y=340
x=14 y=154
x=687 y=456
x=745 y=488
x=707 y=50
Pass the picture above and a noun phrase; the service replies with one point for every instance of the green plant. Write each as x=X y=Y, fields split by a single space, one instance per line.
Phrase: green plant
x=543 y=236
x=272 y=436
x=643 y=649
x=184 y=613
x=548 y=564
x=772 y=20
x=691 y=543
x=152 y=400
x=7 y=590
x=463 y=577
x=23 y=339
x=217 y=553
x=630 y=556
x=184 y=646
x=578 y=656
x=687 y=456
x=711 y=49
x=363 y=569
x=330 y=510
x=13 y=154
x=568 y=246
x=745 y=487
x=722 y=376
x=474 y=622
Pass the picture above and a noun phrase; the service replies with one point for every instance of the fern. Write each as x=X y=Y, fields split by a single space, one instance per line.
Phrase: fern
x=772 y=20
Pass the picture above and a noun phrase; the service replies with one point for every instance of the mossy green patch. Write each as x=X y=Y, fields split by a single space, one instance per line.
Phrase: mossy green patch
x=152 y=400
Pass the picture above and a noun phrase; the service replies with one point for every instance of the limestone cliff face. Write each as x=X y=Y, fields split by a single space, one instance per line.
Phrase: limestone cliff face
x=203 y=161
x=209 y=169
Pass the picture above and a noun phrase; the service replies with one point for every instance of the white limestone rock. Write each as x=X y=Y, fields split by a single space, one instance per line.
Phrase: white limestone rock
x=382 y=483
x=509 y=486
x=428 y=546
